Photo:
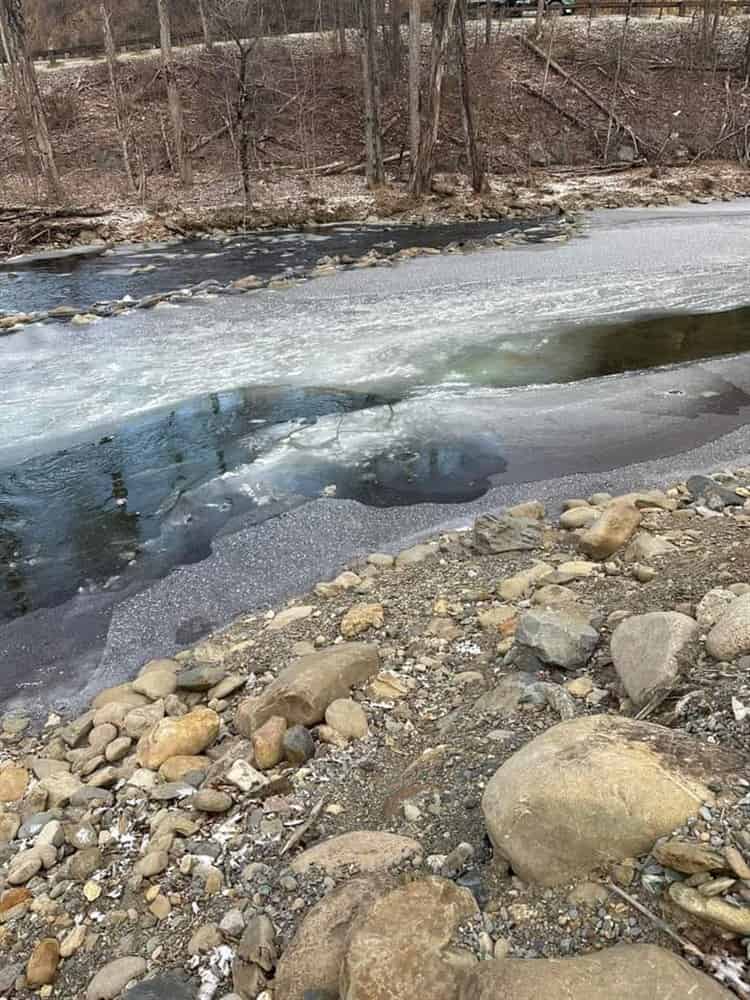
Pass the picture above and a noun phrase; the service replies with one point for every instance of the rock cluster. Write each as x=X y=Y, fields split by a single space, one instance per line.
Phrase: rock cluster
x=482 y=767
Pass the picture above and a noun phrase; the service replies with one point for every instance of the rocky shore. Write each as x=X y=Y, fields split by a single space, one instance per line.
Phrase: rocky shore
x=301 y=201
x=511 y=761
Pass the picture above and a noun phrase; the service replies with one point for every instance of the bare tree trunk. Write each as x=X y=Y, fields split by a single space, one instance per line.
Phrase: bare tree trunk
x=22 y=111
x=488 y=23
x=28 y=96
x=340 y=26
x=244 y=131
x=616 y=81
x=173 y=95
x=368 y=26
x=415 y=53
x=422 y=169
x=539 y=18
x=475 y=166
x=121 y=118
x=396 y=54
x=207 y=39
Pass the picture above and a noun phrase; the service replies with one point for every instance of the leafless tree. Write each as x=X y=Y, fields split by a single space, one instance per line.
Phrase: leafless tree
x=121 y=116
x=488 y=23
x=26 y=87
x=476 y=170
x=340 y=26
x=368 y=26
x=415 y=59
x=423 y=168
x=23 y=115
x=242 y=22
x=205 y=26
x=182 y=158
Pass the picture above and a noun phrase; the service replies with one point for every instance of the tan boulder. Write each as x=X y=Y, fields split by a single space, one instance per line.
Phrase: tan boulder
x=579 y=517
x=188 y=735
x=402 y=950
x=618 y=523
x=122 y=694
x=268 y=742
x=513 y=588
x=367 y=850
x=625 y=972
x=303 y=691
x=13 y=783
x=348 y=718
x=595 y=790
x=313 y=958
x=42 y=965
x=156 y=684
x=175 y=768
x=361 y=618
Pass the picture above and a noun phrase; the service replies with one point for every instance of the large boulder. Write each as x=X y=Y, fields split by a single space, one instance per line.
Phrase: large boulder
x=558 y=638
x=314 y=956
x=730 y=636
x=619 y=522
x=186 y=736
x=366 y=850
x=648 y=650
x=625 y=972
x=595 y=790
x=402 y=950
x=302 y=693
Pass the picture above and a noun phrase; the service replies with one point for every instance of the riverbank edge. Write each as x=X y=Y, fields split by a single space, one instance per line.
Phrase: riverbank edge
x=506 y=197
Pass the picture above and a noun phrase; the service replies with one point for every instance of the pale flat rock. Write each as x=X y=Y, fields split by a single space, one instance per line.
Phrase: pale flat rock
x=288 y=617
x=112 y=979
x=368 y=850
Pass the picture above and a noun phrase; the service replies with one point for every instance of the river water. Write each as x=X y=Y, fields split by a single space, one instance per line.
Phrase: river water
x=164 y=470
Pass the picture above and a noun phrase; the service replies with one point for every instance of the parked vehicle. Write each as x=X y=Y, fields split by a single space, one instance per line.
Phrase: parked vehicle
x=516 y=8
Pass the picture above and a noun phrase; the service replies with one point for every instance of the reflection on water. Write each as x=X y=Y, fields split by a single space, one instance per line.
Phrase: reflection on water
x=580 y=352
x=152 y=495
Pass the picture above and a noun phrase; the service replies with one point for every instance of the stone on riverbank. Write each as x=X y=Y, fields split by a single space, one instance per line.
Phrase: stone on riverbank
x=558 y=638
x=730 y=636
x=369 y=850
x=647 y=651
x=625 y=972
x=403 y=947
x=595 y=790
x=493 y=535
x=618 y=523
x=303 y=691
x=187 y=736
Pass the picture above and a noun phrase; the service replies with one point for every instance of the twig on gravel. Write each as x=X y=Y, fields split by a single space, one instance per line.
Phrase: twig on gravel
x=301 y=831
x=724 y=968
